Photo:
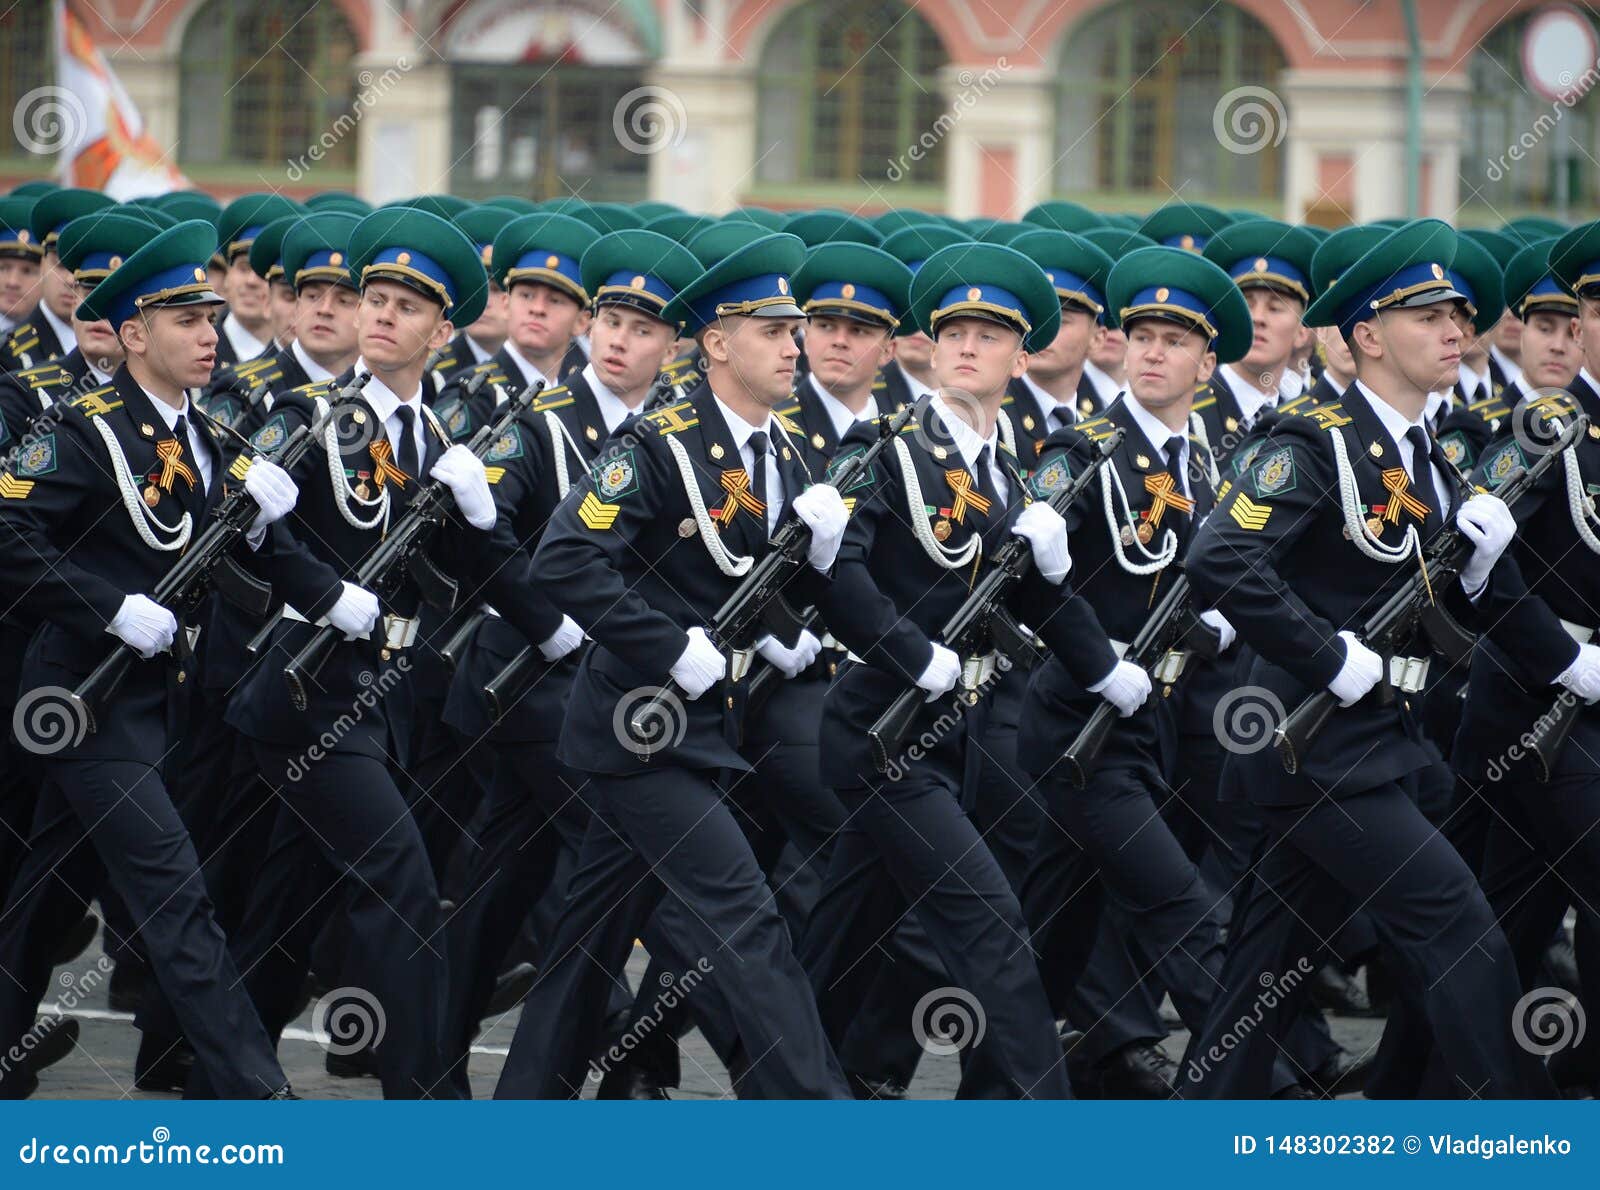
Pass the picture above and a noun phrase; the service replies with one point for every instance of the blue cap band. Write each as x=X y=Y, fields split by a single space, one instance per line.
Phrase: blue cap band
x=1072 y=287
x=746 y=296
x=321 y=265
x=182 y=280
x=1412 y=281
x=853 y=298
x=981 y=301
x=410 y=266
x=541 y=264
x=1271 y=271
x=1173 y=305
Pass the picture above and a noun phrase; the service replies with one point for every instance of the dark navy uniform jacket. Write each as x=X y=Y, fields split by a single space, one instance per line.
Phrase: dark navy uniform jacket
x=1103 y=551
x=312 y=551
x=546 y=453
x=1278 y=559
x=626 y=556
x=227 y=395
x=33 y=341
x=1558 y=556
x=890 y=599
x=71 y=550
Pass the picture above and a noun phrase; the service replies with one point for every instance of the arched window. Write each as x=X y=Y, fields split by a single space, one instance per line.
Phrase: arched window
x=264 y=82
x=1523 y=151
x=549 y=99
x=26 y=62
x=1145 y=85
x=846 y=89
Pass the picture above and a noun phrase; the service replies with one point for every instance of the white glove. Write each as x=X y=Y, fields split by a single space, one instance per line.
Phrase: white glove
x=1488 y=524
x=1225 y=631
x=144 y=625
x=1582 y=677
x=701 y=666
x=941 y=674
x=356 y=612
x=1046 y=533
x=462 y=471
x=273 y=491
x=790 y=662
x=824 y=513
x=1362 y=670
x=562 y=641
x=1126 y=687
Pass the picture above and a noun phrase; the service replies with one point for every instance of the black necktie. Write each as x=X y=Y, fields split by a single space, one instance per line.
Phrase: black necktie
x=758 y=473
x=194 y=497
x=1422 y=485
x=406 y=454
x=1060 y=416
x=986 y=487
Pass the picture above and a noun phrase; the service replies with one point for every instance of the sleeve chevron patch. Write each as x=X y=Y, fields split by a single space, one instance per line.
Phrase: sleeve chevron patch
x=12 y=488
x=1248 y=514
x=597 y=515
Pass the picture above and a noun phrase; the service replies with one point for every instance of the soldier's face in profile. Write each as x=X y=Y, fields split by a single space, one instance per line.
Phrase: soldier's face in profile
x=914 y=351
x=281 y=302
x=19 y=285
x=325 y=318
x=97 y=340
x=247 y=293
x=396 y=326
x=1508 y=334
x=1336 y=352
x=1275 y=319
x=1109 y=350
x=977 y=356
x=177 y=345
x=1550 y=351
x=541 y=320
x=1068 y=349
x=1422 y=344
x=1166 y=362
x=491 y=325
x=629 y=348
x=761 y=352
x=844 y=354
x=58 y=288
x=1589 y=333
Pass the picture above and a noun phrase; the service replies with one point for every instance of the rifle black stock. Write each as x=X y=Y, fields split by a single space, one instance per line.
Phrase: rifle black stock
x=757 y=602
x=202 y=566
x=399 y=554
x=975 y=625
x=1412 y=605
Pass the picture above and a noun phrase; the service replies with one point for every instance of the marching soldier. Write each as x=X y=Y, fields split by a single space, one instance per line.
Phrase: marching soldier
x=330 y=766
x=92 y=515
x=20 y=258
x=641 y=554
x=246 y=330
x=1332 y=513
x=46 y=333
x=906 y=567
x=536 y=811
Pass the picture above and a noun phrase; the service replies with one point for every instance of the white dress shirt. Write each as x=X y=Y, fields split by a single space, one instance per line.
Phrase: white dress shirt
x=1509 y=366
x=613 y=409
x=65 y=335
x=1104 y=384
x=741 y=430
x=197 y=447
x=1159 y=434
x=969 y=445
x=245 y=345
x=915 y=387
x=1475 y=384
x=387 y=404
x=1048 y=405
x=840 y=414
x=530 y=371
x=1251 y=399
x=1396 y=424
x=315 y=372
